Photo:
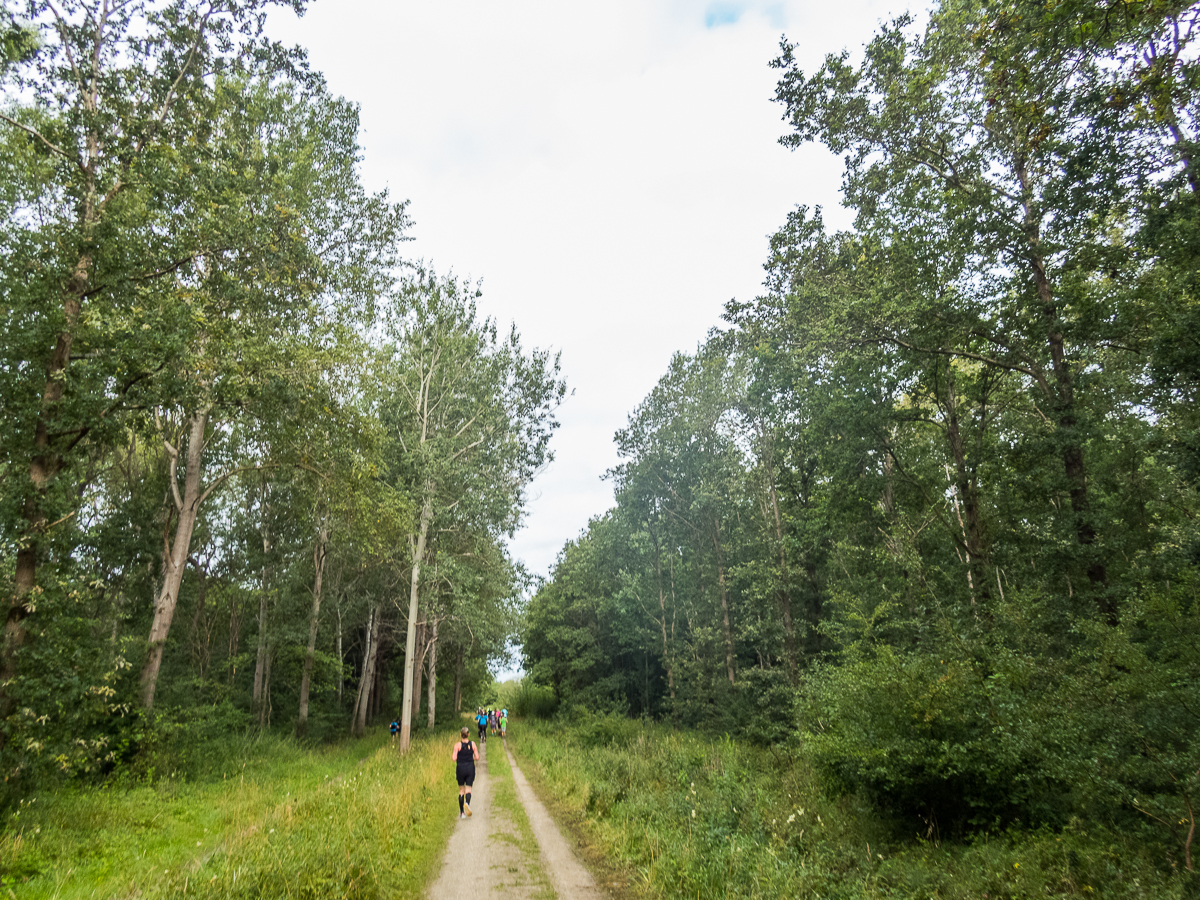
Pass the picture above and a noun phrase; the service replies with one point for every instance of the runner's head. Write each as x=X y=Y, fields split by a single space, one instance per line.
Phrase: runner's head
x=466 y=733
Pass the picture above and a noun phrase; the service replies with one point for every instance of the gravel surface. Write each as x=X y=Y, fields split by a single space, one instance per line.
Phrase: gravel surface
x=485 y=856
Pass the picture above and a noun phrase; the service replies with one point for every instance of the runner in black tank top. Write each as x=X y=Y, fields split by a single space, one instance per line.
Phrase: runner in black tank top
x=464 y=753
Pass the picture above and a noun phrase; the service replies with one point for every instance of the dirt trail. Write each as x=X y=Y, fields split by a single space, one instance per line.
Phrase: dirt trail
x=487 y=855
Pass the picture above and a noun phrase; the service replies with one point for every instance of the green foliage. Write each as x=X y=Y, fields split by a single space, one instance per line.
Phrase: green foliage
x=532 y=700
x=928 y=505
x=195 y=425
x=687 y=815
x=767 y=712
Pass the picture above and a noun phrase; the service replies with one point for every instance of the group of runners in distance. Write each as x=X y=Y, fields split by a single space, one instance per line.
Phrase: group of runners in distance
x=465 y=753
x=491 y=721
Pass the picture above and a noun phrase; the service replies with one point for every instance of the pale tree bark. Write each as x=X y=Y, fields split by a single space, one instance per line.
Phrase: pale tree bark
x=418 y=670
x=175 y=552
x=431 y=697
x=319 y=553
x=264 y=716
x=340 y=655
x=376 y=698
x=410 y=641
x=261 y=658
x=366 y=682
x=362 y=675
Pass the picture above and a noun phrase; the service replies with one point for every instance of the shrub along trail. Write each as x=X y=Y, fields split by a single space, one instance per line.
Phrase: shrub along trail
x=669 y=814
x=510 y=847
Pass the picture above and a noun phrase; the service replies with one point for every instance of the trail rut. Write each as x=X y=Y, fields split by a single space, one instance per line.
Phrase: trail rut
x=491 y=854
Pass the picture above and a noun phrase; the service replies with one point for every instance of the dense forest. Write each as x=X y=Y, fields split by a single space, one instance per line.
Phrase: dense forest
x=258 y=469
x=923 y=513
x=926 y=509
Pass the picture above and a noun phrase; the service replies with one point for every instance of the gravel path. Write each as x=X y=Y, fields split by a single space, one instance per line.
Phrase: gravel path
x=488 y=857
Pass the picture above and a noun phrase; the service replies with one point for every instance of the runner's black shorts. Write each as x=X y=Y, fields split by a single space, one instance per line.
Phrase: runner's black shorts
x=466 y=774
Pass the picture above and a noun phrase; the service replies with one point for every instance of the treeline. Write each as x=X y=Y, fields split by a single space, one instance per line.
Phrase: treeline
x=927 y=508
x=256 y=469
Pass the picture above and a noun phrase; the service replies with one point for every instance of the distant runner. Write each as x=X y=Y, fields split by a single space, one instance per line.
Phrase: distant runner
x=464 y=753
x=481 y=721
x=504 y=723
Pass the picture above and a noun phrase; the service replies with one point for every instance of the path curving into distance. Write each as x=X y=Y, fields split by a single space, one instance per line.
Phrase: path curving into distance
x=510 y=848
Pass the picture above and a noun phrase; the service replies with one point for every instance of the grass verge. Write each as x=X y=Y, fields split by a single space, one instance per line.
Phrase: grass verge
x=350 y=821
x=685 y=815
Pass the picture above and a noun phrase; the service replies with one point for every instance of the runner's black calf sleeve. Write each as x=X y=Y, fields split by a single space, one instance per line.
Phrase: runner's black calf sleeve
x=460 y=802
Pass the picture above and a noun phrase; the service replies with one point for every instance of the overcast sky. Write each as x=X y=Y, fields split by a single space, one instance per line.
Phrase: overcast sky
x=610 y=171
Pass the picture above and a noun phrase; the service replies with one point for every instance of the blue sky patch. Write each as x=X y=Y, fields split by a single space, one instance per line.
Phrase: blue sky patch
x=719 y=14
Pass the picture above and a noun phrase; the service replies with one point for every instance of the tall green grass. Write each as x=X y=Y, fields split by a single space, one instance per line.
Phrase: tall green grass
x=352 y=821
x=686 y=815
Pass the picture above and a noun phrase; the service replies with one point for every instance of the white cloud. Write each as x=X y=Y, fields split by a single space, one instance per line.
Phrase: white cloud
x=610 y=171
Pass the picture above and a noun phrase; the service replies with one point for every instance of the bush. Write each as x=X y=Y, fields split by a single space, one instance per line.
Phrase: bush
x=534 y=701
x=767 y=714
x=931 y=739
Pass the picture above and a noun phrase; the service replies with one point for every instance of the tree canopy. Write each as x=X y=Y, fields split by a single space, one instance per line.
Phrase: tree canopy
x=928 y=503
x=210 y=346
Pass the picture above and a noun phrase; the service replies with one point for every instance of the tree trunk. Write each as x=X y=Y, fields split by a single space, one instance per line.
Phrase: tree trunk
x=967 y=490
x=376 y=697
x=431 y=696
x=45 y=464
x=175 y=553
x=362 y=675
x=767 y=440
x=410 y=642
x=340 y=656
x=1064 y=397
x=418 y=672
x=458 y=679
x=729 y=668
x=260 y=664
x=235 y=635
x=366 y=682
x=314 y=617
x=199 y=635
x=662 y=611
x=264 y=717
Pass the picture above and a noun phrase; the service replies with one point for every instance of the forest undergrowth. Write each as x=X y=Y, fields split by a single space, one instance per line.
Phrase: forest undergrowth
x=685 y=814
x=273 y=819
